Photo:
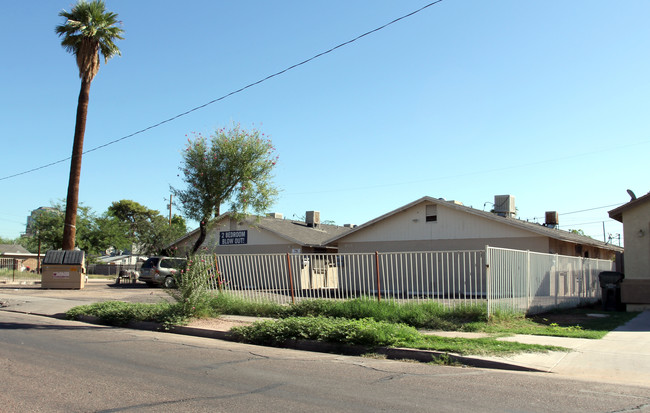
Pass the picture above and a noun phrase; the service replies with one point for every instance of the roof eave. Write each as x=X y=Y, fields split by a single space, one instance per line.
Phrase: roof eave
x=617 y=213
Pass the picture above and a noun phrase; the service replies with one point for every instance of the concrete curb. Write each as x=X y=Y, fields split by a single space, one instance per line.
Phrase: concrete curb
x=60 y=316
x=393 y=353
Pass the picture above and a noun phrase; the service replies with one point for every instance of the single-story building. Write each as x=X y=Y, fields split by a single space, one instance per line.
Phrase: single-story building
x=263 y=235
x=122 y=259
x=635 y=216
x=433 y=224
x=24 y=260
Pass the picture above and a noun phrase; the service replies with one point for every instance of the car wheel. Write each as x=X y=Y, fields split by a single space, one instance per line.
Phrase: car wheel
x=169 y=282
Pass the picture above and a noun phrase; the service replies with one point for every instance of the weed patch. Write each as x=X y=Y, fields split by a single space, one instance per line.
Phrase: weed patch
x=119 y=313
x=370 y=333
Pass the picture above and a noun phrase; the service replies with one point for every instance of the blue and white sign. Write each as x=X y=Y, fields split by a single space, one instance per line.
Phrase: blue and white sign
x=233 y=237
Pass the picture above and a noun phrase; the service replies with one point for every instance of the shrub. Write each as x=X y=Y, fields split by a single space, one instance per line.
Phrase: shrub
x=192 y=295
x=367 y=332
x=120 y=313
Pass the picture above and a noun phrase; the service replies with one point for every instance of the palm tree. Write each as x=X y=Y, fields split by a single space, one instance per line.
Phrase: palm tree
x=89 y=30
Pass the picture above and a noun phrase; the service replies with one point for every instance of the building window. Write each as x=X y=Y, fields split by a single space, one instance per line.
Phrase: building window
x=431 y=213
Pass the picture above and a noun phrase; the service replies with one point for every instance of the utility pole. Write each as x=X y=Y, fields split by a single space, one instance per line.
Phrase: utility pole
x=38 y=263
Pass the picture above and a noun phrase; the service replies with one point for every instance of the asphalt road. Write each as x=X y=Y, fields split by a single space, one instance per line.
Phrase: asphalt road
x=56 y=365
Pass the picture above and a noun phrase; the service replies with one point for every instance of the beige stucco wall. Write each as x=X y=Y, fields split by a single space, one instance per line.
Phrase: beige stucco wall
x=569 y=248
x=537 y=244
x=259 y=241
x=410 y=224
x=636 y=233
x=453 y=230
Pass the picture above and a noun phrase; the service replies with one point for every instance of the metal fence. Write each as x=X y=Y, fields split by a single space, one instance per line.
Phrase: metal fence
x=532 y=282
x=449 y=276
x=7 y=263
x=111 y=269
x=504 y=279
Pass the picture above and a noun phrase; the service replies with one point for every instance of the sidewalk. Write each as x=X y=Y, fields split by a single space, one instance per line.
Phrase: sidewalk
x=622 y=356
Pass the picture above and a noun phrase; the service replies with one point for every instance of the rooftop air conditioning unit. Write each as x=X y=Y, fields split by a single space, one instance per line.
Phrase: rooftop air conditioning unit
x=312 y=219
x=551 y=220
x=504 y=205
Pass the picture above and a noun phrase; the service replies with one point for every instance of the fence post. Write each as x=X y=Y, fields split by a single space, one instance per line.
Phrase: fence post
x=293 y=299
x=556 y=273
x=488 y=281
x=220 y=281
x=529 y=299
x=377 y=271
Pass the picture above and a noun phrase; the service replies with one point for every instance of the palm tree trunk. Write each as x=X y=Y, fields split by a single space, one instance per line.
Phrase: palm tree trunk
x=70 y=229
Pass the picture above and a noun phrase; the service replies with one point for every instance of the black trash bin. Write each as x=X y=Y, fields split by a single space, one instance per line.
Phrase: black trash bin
x=610 y=283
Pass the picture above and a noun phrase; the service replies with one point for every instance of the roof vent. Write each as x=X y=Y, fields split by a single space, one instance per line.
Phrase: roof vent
x=504 y=205
x=312 y=219
x=552 y=220
x=275 y=215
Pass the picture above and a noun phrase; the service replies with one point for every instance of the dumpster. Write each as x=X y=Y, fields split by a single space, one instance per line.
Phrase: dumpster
x=610 y=283
x=64 y=270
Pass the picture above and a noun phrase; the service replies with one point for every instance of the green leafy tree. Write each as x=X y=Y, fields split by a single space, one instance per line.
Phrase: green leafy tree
x=22 y=241
x=578 y=232
x=133 y=214
x=111 y=232
x=158 y=234
x=234 y=166
x=88 y=31
x=48 y=229
x=146 y=228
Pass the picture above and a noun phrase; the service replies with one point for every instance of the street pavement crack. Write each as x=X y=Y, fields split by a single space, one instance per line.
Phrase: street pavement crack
x=170 y=403
x=639 y=408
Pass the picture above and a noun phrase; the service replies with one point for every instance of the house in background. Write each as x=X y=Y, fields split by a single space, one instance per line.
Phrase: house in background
x=635 y=216
x=432 y=224
x=263 y=235
x=24 y=260
x=121 y=259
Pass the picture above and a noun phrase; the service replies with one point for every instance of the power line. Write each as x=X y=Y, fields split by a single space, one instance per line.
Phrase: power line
x=590 y=209
x=583 y=210
x=588 y=223
x=231 y=93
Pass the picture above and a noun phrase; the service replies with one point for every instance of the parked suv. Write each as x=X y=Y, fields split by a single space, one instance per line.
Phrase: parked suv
x=161 y=270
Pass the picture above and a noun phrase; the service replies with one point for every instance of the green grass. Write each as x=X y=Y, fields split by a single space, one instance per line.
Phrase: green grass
x=119 y=313
x=18 y=275
x=366 y=322
x=371 y=333
x=434 y=316
x=430 y=315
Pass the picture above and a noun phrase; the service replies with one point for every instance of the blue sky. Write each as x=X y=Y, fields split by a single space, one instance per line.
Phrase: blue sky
x=467 y=99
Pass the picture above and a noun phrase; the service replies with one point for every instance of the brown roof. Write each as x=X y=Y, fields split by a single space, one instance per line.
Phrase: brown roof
x=12 y=249
x=293 y=231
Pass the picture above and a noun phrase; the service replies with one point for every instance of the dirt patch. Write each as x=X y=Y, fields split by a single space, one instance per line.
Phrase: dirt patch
x=575 y=317
x=223 y=323
x=563 y=320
